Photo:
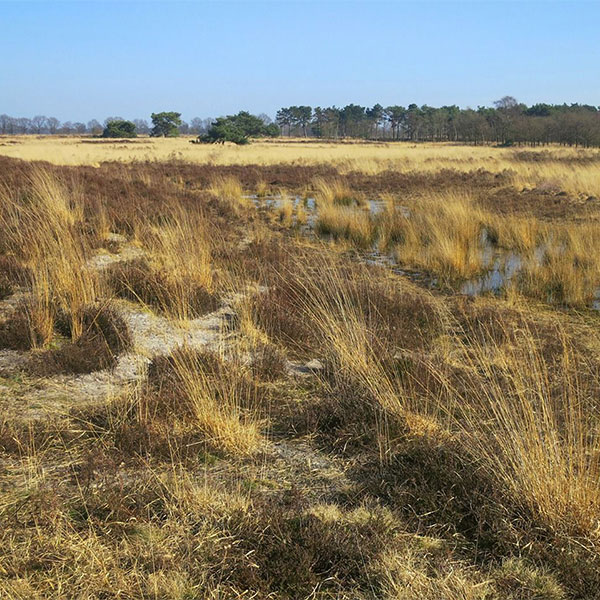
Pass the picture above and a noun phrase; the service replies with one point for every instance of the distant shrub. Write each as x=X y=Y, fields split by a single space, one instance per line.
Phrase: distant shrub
x=119 y=129
x=165 y=124
x=238 y=129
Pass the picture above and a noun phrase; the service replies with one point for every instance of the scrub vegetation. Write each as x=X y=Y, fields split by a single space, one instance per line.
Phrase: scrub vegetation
x=278 y=371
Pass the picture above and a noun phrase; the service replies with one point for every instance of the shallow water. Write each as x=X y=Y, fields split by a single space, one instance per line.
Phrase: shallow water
x=503 y=270
x=501 y=266
x=310 y=204
x=277 y=200
x=378 y=206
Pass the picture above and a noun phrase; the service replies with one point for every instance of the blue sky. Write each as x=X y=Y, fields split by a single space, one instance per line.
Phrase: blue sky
x=83 y=60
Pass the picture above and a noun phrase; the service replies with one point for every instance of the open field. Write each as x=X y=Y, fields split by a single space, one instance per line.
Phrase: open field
x=574 y=170
x=298 y=370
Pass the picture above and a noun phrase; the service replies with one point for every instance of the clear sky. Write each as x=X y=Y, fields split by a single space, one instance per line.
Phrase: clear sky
x=83 y=60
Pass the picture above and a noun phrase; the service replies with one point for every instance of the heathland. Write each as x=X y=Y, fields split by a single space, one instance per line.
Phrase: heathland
x=298 y=369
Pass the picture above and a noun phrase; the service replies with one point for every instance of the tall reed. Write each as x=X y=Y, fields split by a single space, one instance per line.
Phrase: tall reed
x=47 y=233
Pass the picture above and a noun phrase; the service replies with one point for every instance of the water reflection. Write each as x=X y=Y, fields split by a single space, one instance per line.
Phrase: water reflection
x=501 y=267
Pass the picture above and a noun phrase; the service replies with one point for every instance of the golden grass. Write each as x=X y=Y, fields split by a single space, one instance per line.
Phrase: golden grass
x=450 y=237
x=301 y=216
x=223 y=416
x=285 y=210
x=182 y=233
x=334 y=191
x=226 y=188
x=564 y=276
x=46 y=233
x=442 y=235
x=539 y=443
x=542 y=448
x=521 y=234
x=262 y=189
x=345 y=223
x=345 y=156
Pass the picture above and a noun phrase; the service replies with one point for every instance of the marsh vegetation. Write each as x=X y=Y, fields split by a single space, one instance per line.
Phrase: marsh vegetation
x=257 y=374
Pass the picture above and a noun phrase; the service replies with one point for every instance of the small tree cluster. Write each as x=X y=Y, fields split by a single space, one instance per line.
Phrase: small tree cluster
x=238 y=129
x=165 y=124
x=294 y=116
x=119 y=129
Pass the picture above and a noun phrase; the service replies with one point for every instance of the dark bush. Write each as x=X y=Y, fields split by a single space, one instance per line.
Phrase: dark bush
x=139 y=281
x=12 y=275
x=119 y=129
x=21 y=330
x=105 y=335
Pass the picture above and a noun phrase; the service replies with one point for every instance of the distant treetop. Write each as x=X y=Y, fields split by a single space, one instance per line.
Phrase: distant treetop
x=165 y=124
x=119 y=129
x=238 y=129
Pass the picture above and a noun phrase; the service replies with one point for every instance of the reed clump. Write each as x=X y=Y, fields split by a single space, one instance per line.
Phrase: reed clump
x=220 y=401
x=285 y=210
x=183 y=233
x=228 y=189
x=346 y=223
x=47 y=235
x=443 y=235
x=336 y=191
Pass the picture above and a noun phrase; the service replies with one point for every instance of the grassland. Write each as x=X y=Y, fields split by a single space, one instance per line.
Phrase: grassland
x=572 y=169
x=254 y=372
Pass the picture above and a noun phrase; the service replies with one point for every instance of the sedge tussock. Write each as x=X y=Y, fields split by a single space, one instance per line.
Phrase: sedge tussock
x=47 y=235
x=229 y=190
x=285 y=210
x=333 y=191
x=222 y=415
x=301 y=216
x=346 y=223
x=539 y=441
x=442 y=235
x=183 y=233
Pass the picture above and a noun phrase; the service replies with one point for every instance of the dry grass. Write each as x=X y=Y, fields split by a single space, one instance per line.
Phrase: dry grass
x=565 y=271
x=344 y=222
x=498 y=405
x=440 y=447
x=47 y=235
x=183 y=286
x=443 y=235
x=521 y=234
x=229 y=189
x=262 y=189
x=285 y=210
x=556 y=168
x=334 y=192
x=449 y=236
x=538 y=441
x=301 y=216
x=338 y=215
x=219 y=401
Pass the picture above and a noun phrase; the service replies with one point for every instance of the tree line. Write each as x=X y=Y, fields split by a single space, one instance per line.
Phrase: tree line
x=42 y=125
x=237 y=128
x=507 y=122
